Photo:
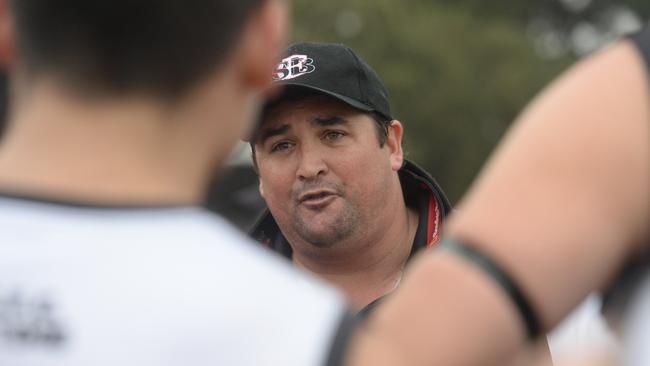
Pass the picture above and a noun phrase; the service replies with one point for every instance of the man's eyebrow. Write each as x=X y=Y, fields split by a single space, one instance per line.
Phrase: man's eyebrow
x=267 y=133
x=329 y=121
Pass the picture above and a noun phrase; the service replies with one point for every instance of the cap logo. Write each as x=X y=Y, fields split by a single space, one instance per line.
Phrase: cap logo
x=294 y=66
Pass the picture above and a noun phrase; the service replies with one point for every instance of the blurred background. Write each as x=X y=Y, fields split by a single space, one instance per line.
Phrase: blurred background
x=458 y=72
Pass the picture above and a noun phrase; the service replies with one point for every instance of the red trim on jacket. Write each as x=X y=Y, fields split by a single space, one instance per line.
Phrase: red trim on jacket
x=435 y=222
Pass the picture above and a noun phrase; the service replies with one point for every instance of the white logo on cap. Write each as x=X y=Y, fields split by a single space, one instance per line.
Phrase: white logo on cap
x=294 y=66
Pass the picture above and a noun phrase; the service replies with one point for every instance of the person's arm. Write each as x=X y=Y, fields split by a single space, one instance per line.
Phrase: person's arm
x=560 y=207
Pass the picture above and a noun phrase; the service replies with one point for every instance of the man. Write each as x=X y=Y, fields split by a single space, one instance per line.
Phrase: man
x=105 y=256
x=343 y=202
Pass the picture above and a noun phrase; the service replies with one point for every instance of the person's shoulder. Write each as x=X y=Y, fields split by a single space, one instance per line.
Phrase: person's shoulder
x=190 y=240
x=249 y=297
x=201 y=283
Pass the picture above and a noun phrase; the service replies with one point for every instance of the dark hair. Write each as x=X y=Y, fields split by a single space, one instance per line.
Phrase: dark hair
x=116 y=46
x=381 y=126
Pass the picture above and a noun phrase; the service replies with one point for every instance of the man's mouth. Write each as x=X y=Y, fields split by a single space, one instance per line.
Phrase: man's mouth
x=317 y=199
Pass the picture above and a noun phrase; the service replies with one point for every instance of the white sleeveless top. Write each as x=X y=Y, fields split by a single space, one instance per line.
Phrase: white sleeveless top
x=102 y=286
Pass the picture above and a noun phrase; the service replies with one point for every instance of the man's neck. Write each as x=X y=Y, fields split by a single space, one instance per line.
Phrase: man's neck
x=121 y=151
x=368 y=272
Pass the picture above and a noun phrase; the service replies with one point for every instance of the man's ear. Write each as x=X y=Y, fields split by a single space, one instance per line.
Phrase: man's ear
x=262 y=42
x=394 y=144
x=7 y=45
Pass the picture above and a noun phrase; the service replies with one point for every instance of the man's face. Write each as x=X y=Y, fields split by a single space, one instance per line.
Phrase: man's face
x=322 y=171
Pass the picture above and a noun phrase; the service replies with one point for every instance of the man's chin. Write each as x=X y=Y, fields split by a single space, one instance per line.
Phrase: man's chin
x=326 y=228
x=321 y=237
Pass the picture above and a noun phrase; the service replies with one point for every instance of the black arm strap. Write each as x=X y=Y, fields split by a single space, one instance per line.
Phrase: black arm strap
x=492 y=269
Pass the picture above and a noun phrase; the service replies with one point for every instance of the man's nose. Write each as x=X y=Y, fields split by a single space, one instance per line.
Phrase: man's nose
x=312 y=164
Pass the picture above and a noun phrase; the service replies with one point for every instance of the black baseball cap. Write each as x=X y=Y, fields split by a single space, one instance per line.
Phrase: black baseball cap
x=331 y=69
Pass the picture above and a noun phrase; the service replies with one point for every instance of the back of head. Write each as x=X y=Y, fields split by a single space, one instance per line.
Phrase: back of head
x=159 y=69
x=115 y=46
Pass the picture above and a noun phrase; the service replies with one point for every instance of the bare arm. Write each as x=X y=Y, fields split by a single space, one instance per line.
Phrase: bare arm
x=561 y=205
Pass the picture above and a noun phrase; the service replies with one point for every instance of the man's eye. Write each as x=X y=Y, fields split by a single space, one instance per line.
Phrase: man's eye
x=333 y=135
x=280 y=146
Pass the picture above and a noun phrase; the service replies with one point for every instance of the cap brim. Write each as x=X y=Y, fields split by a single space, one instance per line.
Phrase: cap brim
x=289 y=86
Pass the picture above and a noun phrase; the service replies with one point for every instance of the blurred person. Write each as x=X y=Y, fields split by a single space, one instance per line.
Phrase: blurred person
x=560 y=210
x=106 y=257
x=343 y=201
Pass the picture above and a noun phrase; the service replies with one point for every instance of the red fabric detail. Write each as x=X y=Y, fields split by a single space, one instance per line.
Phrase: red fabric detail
x=435 y=222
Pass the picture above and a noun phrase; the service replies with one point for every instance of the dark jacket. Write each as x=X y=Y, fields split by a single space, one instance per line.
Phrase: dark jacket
x=421 y=192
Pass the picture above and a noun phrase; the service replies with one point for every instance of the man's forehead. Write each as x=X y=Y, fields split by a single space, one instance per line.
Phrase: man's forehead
x=306 y=109
x=280 y=125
